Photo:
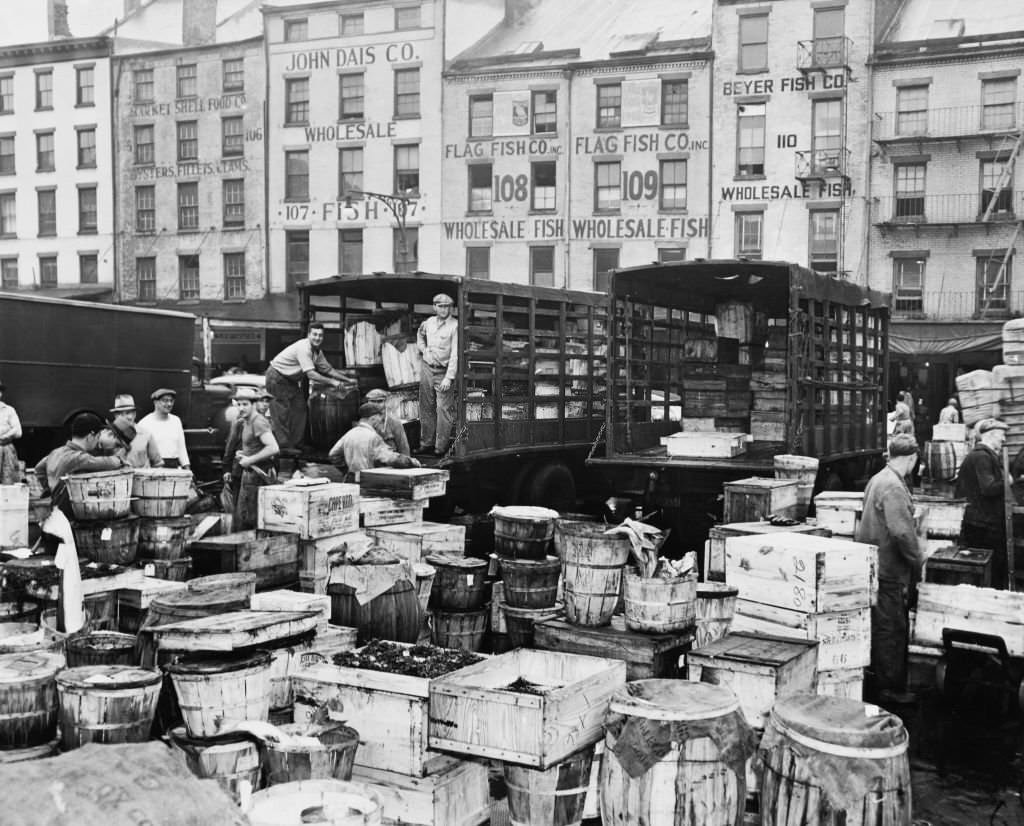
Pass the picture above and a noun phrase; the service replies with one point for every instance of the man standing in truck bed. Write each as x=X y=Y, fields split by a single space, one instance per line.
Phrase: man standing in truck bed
x=438 y=340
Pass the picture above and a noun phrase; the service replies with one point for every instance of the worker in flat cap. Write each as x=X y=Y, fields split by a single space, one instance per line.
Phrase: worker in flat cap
x=980 y=482
x=166 y=429
x=363 y=447
x=262 y=403
x=438 y=340
x=126 y=440
x=888 y=522
x=253 y=459
x=392 y=430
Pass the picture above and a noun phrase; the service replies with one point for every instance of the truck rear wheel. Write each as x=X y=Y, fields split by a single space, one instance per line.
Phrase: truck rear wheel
x=551 y=485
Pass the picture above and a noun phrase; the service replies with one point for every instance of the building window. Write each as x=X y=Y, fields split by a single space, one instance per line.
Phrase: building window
x=352 y=93
x=86 y=148
x=234 y=275
x=187 y=79
x=234 y=203
x=749 y=234
x=824 y=240
x=350 y=165
x=48 y=270
x=44 y=89
x=145 y=209
x=829 y=42
x=996 y=188
x=480 y=192
x=144 y=144
x=750 y=140
x=47 y=200
x=296 y=175
x=478 y=262
x=542 y=266
x=188 y=277
x=45 y=158
x=670 y=255
x=233 y=74
x=609 y=106
x=296 y=94
x=827 y=136
x=542 y=185
x=605 y=260
x=607 y=189
x=7 y=95
x=908 y=285
x=143 y=88
x=753 y=43
x=544 y=113
x=232 y=137
x=350 y=251
x=9 y=273
x=296 y=30
x=481 y=116
x=296 y=257
x=8 y=215
x=407 y=17
x=188 y=140
x=7 y=166
x=352 y=24
x=909 y=191
x=85 y=86
x=188 y=207
x=407 y=93
x=998 y=100
x=88 y=268
x=993 y=282
x=407 y=249
x=145 y=278
x=407 y=169
x=912 y=110
x=675 y=102
x=87 y=212
x=673 y=185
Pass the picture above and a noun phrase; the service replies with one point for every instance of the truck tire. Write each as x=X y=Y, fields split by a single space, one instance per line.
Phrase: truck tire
x=551 y=485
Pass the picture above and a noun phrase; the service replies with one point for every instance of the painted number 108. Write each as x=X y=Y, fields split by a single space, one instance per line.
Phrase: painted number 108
x=509 y=188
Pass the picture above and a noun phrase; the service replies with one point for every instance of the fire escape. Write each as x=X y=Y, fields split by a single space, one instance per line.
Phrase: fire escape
x=1000 y=201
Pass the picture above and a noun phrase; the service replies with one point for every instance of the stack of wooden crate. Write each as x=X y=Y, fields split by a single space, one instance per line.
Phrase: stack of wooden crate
x=768 y=403
x=979 y=396
x=714 y=550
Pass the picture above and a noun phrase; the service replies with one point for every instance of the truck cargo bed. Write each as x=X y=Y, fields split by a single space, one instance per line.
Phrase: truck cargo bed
x=759 y=458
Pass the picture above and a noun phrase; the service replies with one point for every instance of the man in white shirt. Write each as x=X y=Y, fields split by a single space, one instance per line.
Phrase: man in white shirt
x=438 y=340
x=166 y=429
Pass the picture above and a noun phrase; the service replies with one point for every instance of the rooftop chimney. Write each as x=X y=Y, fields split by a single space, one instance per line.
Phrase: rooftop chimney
x=58 y=19
x=198 y=22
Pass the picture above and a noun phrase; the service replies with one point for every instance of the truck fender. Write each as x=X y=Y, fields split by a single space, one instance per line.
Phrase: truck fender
x=551 y=485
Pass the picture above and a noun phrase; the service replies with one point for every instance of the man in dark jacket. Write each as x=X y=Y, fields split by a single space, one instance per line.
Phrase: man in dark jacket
x=888 y=522
x=980 y=482
x=77 y=456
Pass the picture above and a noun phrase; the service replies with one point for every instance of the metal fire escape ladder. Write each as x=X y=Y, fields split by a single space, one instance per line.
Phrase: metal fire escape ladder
x=1005 y=179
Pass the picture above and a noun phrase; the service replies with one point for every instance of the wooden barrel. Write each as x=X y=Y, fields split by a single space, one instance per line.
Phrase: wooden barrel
x=161 y=493
x=393 y=615
x=213 y=691
x=234 y=762
x=943 y=459
x=460 y=582
x=660 y=606
x=106 y=704
x=804 y=469
x=28 y=698
x=523 y=531
x=549 y=797
x=459 y=629
x=323 y=753
x=20 y=637
x=330 y=416
x=174 y=570
x=325 y=802
x=689 y=783
x=284 y=654
x=161 y=538
x=833 y=761
x=716 y=606
x=592 y=564
x=531 y=583
x=114 y=542
x=100 y=648
x=519 y=622
x=241 y=584
x=185 y=605
x=105 y=495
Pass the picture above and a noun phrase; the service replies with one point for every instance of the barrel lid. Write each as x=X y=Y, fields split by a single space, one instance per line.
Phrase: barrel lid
x=444 y=561
x=716 y=590
x=523 y=512
x=102 y=640
x=660 y=699
x=838 y=721
x=111 y=677
x=14 y=668
x=196 y=599
x=218 y=665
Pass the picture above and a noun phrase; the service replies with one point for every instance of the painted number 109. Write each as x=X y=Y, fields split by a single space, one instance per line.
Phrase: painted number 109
x=638 y=186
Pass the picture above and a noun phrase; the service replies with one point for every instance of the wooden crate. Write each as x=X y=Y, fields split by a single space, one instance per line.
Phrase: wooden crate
x=457 y=794
x=272 y=556
x=403 y=483
x=758 y=668
x=313 y=583
x=379 y=510
x=985 y=610
x=844 y=637
x=960 y=566
x=748 y=500
x=14 y=516
x=949 y=433
x=804 y=573
x=839 y=511
x=645 y=655
x=768 y=427
x=473 y=712
x=133 y=602
x=314 y=554
x=419 y=539
x=234 y=630
x=286 y=600
x=714 y=563
x=311 y=511
x=842 y=682
x=942 y=516
x=705 y=444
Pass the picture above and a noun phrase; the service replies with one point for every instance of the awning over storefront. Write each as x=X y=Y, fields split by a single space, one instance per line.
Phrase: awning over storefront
x=920 y=338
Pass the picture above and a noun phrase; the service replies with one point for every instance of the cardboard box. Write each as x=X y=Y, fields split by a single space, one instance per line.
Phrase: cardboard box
x=311 y=511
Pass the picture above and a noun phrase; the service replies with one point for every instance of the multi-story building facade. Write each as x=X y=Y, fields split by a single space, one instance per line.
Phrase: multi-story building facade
x=56 y=178
x=947 y=206
x=569 y=150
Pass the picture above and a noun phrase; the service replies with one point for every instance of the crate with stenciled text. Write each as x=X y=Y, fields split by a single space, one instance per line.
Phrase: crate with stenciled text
x=375 y=511
x=416 y=540
x=404 y=483
x=311 y=511
x=714 y=565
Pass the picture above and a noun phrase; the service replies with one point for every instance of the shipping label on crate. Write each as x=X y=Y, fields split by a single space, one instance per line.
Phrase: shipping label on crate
x=313 y=512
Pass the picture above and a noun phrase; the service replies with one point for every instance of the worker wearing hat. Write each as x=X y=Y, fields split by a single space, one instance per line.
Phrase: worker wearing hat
x=392 y=430
x=980 y=482
x=166 y=429
x=438 y=340
x=254 y=458
x=133 y=445
x=262 y=403
x=10 y=430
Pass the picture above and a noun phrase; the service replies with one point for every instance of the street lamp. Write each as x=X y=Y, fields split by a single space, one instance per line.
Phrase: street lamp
x=398 y=205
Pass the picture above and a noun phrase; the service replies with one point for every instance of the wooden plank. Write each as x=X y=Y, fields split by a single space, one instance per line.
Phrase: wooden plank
x=140 y=595
x=456 y=794
x=235 y=629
